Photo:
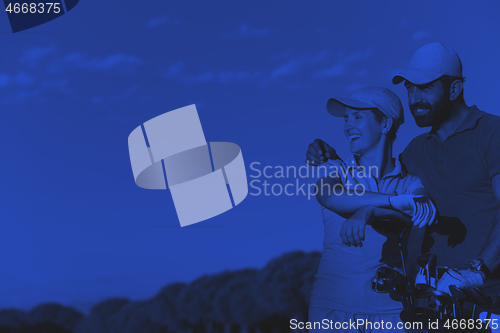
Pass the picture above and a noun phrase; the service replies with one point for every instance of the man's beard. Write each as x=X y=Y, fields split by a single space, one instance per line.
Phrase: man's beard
x=436 y=115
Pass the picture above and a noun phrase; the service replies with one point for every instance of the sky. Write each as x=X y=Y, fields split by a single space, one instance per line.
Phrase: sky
x=75 y=229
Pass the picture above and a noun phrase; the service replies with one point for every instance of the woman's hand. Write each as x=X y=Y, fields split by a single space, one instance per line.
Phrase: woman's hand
x=353 y=229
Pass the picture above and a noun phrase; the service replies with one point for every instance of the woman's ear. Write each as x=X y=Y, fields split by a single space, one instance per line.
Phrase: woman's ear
x=387 y=124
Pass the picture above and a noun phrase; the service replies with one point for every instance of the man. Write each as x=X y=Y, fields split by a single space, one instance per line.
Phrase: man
x=458 y=162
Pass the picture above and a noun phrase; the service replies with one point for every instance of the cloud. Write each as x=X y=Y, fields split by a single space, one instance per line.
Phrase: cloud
x=287 y=69
x=341 y=67
x=294 y=65
x=21 y=96
x=59 y=85
x=34 y=84
x=23 y=88
x=222 y=77
x=161 y=21
x=360 y=73
x=336 y=70
x=114 y=61
x=126 y=95
x=231 y=76
x=4 y=80
x=355 y=87
x=158 y=21
x=117 y=97
x=421 y=34
x=403 y=23
x=176 y=72
x=34 y=54
x=245 y=30
x=358 y=55
x=21 y=79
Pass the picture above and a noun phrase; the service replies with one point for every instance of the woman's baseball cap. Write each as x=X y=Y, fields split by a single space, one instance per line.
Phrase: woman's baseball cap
x=369 y=98
x=429 y=63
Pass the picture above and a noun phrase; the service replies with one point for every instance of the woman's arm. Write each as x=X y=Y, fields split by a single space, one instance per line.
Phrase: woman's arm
x=353 y=229
x=332 y=194
x=391 y=213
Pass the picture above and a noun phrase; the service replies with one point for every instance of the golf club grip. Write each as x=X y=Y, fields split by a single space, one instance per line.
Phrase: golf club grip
x=322 y=145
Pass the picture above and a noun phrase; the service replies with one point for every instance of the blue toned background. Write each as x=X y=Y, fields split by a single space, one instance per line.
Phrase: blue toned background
x=76 y=229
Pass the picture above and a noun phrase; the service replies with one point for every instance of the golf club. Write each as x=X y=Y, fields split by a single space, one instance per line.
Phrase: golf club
x=443 y=299
x=394 y=228
x=429 y=263
x=458 y=296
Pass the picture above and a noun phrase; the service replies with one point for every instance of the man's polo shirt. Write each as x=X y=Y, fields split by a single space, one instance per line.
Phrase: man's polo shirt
x=457 y=174
x=345 y=273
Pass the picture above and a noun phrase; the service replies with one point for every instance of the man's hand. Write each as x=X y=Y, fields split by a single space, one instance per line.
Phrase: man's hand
x=420 y=208
x=319 y=152
x=464 y=278
x=353 y=229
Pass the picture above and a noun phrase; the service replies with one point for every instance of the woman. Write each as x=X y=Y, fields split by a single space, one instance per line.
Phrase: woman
x=352 y=195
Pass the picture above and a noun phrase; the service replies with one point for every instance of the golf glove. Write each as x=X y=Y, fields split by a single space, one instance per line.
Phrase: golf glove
x=419 y=207
x=464 y=278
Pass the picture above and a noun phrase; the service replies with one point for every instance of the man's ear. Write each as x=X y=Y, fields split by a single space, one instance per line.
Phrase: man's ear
x=388 y=121
x=455 y=89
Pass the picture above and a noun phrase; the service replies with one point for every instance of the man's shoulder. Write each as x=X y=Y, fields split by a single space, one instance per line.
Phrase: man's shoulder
x=417 y=141
x=408 y=157
x=419 y=138
x=487 y=127
x=489 y=120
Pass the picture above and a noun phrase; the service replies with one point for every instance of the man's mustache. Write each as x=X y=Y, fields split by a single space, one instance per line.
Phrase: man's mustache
x=416 y=106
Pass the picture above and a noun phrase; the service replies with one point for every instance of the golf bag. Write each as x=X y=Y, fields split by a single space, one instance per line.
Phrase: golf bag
x=469 y=309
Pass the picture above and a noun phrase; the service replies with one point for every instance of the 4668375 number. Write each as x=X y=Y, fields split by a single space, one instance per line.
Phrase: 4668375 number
x=34 y=8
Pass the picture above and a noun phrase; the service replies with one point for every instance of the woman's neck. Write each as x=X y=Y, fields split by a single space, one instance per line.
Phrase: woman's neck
x=378 y=161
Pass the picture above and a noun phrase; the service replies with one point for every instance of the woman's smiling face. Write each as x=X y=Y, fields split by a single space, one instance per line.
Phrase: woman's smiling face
x=362 y=129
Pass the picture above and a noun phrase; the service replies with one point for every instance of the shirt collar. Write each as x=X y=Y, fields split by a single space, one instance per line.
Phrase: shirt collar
x=469 y=122
x=399 y=169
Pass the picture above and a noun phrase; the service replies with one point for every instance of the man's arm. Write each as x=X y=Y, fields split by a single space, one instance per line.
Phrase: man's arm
x=491 y=251
x=490 y=255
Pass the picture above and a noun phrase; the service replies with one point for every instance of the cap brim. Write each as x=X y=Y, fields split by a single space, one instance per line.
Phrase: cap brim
x=336 y=106
x=416 y=76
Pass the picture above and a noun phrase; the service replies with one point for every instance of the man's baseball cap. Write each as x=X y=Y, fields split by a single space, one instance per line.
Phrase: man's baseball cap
x=429 y=63
x=369 y=98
